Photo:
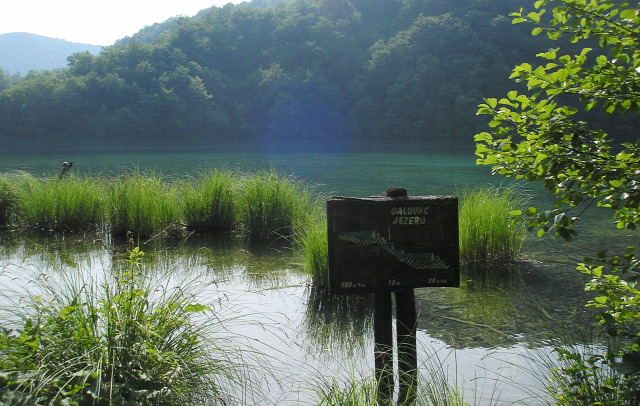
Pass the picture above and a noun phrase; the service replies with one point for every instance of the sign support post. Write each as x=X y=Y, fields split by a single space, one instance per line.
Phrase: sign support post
x=393 y=244
x=383 y=337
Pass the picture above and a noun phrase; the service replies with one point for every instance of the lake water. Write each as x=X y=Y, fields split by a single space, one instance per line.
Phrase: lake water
x=483 y=335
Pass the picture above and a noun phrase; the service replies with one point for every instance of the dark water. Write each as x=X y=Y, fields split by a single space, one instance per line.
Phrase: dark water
x=482 y=333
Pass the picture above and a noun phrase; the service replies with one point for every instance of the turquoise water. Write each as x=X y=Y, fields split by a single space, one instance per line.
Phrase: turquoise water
x=480 y=333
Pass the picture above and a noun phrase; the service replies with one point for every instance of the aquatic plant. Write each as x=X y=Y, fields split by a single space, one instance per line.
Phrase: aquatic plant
x=7 y=199
x=126 y=339
x=433 y=389
x=489 y=239
x=270 y=206
x=143 y=205
x=208 y=201
x=311 y=238
x=73 y=203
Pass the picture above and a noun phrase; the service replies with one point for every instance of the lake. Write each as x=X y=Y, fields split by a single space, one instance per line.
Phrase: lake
x=483 y=334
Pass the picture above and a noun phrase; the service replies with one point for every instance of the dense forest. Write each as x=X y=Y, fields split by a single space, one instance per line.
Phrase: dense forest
x=306 y=75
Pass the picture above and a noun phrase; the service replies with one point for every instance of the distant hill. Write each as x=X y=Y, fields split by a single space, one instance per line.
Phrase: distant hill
x=21 y=52
x=150 y=33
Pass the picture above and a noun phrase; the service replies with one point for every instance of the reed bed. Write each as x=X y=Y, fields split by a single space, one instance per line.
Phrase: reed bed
x=208 y=201
x=489 y=239
x=75 y=203
x=263 y=206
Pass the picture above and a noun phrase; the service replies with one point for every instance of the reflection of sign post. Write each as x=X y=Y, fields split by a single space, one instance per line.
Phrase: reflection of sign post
x=393 y=244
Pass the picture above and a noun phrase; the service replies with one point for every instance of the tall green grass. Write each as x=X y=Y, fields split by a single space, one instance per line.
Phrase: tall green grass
x=270 y=206
x=489 y=239
x=311 y=238
x=208 y=201
x=123 y=339
x=7 y=199
x=142 y=204
x=74 y=203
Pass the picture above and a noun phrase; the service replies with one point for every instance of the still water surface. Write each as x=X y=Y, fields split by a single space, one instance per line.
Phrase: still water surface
x=482 y=334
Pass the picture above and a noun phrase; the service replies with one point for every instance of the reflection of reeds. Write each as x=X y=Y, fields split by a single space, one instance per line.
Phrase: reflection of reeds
x=338 y=320
x=489 y=239
x=434 y=388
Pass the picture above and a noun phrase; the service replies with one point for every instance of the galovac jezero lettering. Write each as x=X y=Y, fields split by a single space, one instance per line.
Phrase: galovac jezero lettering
x=412 y=215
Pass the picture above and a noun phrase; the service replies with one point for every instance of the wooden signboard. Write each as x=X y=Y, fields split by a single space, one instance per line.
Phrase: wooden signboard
x=386 y=244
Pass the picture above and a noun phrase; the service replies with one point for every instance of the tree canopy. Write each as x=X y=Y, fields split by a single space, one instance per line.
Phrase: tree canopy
x=315 y=74
x=542 y=135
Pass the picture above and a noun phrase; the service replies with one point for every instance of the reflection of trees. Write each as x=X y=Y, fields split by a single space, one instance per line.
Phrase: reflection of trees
x=527 y=307
x=340 y=322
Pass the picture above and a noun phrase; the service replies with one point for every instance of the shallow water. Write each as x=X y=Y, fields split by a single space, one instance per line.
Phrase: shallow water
x=482 y=333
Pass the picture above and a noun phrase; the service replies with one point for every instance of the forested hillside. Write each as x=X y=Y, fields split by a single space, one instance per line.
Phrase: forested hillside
x=310 y=75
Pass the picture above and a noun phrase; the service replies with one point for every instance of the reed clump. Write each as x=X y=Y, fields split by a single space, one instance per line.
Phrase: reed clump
x=489 y=238
x=7 y=200
x=123 y=339
x=143 y=205
x=208 y=201
x=75 y=203
x=312 y=240
x=270 y=206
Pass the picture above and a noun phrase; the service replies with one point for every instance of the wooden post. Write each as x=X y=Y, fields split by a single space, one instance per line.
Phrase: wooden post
x=406 y=327
x=383 y=336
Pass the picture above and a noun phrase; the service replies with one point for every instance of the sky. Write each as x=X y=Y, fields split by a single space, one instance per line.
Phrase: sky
x=95 y=22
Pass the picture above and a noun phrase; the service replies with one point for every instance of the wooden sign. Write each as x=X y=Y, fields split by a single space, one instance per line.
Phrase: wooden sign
x=380 y=244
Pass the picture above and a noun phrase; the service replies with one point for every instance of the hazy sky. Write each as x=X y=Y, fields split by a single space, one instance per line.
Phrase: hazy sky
x=96 y=22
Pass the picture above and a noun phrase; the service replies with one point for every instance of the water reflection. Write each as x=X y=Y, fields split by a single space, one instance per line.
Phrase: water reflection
x=523 y=308
x=341 y=323
x=306 y=334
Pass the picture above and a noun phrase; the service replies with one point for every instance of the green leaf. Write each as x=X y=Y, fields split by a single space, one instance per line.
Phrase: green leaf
x=533 y=16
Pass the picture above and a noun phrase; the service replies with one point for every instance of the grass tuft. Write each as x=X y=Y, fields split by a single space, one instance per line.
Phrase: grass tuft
x=74 y=203
x=271 y=206
x=489 y=239
x=142 y=204
x=208 y=202
x=125 y=339
x=312 y=240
